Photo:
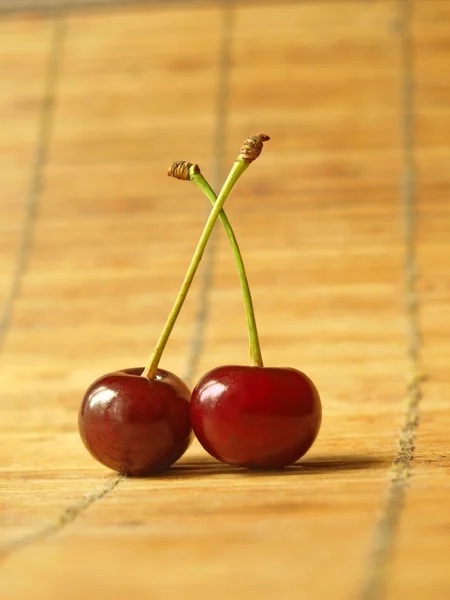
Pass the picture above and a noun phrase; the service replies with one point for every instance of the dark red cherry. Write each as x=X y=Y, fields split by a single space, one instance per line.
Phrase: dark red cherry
x=256 y=417
x=135 y=425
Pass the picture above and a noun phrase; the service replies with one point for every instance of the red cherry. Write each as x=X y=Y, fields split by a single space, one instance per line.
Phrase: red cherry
x=256 y=417
x=135 y=425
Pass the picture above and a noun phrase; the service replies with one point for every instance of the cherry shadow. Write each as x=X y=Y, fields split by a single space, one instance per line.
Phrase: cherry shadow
x=206 y=467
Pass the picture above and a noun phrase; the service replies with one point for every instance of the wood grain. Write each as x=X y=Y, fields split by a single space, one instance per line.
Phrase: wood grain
x=321 y=218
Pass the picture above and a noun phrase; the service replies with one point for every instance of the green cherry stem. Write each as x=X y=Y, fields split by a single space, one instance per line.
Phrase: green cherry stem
x=253 y=338
x=249 y=152
x=193 y=174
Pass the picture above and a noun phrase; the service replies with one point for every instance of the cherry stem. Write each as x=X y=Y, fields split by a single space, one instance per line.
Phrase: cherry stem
x=255 y=349
x=248 y=153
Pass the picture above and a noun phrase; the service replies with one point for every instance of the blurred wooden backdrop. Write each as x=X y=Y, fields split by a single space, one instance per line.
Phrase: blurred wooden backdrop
x=344 y=223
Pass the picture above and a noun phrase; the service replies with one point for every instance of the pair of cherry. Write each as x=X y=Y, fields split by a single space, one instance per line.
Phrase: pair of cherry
x=140 y=421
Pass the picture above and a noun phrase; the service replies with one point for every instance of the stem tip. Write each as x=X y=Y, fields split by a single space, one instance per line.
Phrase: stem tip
x=252 y=147
x=181 y=170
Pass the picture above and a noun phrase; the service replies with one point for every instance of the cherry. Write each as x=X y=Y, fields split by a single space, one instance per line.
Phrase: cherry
x=135 y=425
x=255 y=417
x=136 y=421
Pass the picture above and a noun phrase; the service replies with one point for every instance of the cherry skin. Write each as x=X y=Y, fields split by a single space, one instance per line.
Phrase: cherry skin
x=135 y=425
x=256 y=417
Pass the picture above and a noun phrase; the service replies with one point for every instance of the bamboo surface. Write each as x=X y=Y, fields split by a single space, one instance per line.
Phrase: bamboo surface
x=344 y=223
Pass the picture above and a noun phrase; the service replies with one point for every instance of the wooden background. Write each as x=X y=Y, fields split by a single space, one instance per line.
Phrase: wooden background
x=344 y=223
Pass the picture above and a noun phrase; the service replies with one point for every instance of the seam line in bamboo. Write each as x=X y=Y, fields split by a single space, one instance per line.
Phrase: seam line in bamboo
x=36 y=182
x=23 y=6
x=74 y=510
x=219 y=137
x=376 y=575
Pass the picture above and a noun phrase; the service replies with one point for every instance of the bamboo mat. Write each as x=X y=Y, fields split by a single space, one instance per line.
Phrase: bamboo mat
x=344 y=223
